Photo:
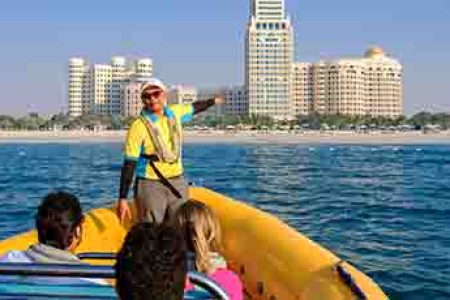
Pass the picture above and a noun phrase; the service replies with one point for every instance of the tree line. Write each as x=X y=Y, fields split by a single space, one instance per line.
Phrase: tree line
x=318 y=121
x=33 y=121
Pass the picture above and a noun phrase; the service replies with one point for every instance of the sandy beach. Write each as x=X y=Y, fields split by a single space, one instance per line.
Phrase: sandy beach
x=217 y=137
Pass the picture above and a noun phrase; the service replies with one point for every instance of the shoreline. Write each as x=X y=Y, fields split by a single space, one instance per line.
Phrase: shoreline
x=244 y=137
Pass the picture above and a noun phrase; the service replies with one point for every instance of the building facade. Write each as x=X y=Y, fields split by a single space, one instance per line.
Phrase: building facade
x=78 y=85
x=269 y=57
x=383 y=84
x=302 y=89
x=236 y=103
x=99 y=88
x=181 y=94
x=368 y=86
x=131 y=105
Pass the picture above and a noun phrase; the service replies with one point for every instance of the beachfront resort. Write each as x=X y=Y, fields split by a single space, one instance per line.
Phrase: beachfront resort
x=276 y=85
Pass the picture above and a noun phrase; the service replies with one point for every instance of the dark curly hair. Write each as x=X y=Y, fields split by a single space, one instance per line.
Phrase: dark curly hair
x=152 y=263
x=59 y=214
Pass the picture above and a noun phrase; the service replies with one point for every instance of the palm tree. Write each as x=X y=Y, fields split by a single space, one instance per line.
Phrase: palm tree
x=7 y=123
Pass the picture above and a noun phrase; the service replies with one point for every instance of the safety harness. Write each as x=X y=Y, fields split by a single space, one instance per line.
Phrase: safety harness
x=162 y=151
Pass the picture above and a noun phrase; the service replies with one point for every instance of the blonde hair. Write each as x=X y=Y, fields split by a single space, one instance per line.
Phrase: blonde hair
x=201 y=231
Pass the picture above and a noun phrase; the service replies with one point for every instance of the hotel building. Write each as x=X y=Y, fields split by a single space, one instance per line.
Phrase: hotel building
x=181 y=94
x=78 y=82
x=236 y=101
x=131 y=101
x=368 y=86
x=269 y=57
x=99 y=88
x=302 y=89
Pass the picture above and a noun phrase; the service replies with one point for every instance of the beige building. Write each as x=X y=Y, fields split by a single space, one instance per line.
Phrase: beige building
x=131 y=99
x=181 y=94
x=371 y=85
x=269 y=57
x=99 y=88
x=302 y=89
x=383 y=84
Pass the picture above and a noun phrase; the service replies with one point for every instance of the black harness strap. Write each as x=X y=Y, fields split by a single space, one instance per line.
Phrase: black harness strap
x=151 y=160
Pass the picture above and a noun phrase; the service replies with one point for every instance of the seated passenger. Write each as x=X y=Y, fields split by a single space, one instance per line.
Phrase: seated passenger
x=59 y=227
x=202 y=236
x=152 y=263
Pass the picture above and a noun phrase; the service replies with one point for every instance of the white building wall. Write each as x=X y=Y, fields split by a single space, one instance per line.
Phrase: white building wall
x=269 y=59
x=267 y=9
x=143 y=68
x=99 y=88
x=118 y=75
x=77 y=73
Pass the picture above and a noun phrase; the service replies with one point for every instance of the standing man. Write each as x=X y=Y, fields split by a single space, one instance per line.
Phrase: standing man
x=153 y=149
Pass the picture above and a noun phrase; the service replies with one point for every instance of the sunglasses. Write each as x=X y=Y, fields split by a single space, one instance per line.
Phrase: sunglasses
x=155 y=94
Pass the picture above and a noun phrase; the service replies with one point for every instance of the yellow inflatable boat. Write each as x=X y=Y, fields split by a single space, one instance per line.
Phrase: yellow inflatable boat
x=273 y=260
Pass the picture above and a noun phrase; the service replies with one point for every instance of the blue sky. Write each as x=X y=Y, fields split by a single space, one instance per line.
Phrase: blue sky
x=201 y=42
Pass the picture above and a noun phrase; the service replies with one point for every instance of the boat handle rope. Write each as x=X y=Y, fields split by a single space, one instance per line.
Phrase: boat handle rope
x=347 y=278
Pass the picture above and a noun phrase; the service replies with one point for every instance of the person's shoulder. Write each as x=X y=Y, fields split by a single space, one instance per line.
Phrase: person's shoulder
x=229 y=281
x=226 y=273
x=217 y=260
x=137 y=124
x=175 y=108
x=15 y=257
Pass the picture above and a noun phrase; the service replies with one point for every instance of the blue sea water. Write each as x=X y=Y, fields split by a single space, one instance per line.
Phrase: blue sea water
x=385 y=209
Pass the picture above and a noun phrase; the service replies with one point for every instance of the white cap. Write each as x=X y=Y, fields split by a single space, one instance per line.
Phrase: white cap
x=153 y=82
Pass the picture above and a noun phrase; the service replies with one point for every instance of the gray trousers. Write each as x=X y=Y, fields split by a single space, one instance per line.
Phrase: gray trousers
x=155 y=201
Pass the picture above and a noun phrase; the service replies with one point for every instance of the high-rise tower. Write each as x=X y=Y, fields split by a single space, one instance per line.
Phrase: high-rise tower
x=269 y=59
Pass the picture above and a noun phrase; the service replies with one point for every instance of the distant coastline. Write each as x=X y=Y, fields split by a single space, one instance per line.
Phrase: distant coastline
x=240 y=137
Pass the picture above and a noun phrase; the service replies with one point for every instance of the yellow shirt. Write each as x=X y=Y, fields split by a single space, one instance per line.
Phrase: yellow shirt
x=139 y=142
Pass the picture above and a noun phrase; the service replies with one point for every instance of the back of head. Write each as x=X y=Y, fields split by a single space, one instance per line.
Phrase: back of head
x=201 y=231
x=57 y=219
x=152 y=263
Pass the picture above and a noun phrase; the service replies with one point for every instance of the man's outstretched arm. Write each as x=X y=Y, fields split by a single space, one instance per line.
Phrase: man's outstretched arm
x=200 y=106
